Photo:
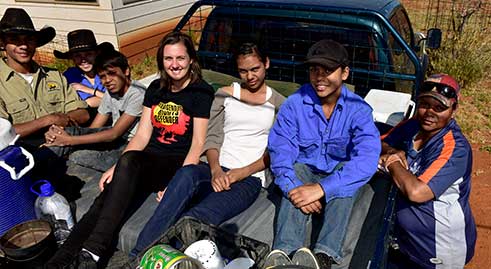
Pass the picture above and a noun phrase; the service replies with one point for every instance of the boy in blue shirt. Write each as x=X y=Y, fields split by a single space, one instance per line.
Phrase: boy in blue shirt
x=324 y=146
x=82 y=50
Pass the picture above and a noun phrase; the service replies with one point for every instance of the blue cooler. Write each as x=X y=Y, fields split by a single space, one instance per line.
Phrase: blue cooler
x=16 y=199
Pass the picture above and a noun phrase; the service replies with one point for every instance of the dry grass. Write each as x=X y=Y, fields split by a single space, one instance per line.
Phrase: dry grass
x=468 y=58
x=145 y=67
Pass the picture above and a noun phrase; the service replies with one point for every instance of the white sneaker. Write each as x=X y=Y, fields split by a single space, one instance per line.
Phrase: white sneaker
x=276 y=257
x=305 y=257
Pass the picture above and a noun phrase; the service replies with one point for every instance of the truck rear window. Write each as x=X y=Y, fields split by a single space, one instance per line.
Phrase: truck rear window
x=286 y=36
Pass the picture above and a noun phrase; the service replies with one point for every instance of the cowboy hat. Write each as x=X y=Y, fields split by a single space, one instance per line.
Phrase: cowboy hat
x=17 y=21
x=81 y=40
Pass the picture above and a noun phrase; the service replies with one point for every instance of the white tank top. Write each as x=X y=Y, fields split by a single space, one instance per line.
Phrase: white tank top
x=246 y=128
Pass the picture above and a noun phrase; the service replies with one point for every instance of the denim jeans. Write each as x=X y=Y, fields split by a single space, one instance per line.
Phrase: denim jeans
x=98 y=156
x=291 y=223
x=190 y=194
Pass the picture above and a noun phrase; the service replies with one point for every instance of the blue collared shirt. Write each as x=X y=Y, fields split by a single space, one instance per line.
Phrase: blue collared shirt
x=75 y=75
x=303 y=134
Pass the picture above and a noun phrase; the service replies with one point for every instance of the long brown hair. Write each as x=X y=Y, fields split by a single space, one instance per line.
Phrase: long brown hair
x=171 y=39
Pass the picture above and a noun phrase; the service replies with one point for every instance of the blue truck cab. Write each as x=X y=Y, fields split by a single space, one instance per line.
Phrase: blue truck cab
x=377 y=34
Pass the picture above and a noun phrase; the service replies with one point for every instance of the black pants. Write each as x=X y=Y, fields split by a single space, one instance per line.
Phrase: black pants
x=137 y=175
x=399 y=260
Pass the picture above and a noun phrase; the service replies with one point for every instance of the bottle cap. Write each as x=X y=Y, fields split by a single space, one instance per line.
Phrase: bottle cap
x=46 y=190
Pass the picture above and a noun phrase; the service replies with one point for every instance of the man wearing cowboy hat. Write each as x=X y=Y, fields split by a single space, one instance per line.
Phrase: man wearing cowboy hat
x=33 y=97
x=82 y=50
x=430 y=161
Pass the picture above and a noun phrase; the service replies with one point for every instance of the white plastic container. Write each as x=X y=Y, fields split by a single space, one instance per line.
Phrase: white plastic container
x=7 y=134
x=206 y=252
x=54 y=208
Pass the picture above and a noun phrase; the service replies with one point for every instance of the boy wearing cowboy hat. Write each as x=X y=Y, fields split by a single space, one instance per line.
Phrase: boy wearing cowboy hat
x=33 y=97
x=99 y=146
x=82 y=50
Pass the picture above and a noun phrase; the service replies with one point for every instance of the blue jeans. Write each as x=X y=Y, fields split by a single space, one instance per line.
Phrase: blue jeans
x=190 y=193
x=291 y=224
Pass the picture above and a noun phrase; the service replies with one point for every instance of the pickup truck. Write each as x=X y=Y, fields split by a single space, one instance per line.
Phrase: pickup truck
x=387 y=66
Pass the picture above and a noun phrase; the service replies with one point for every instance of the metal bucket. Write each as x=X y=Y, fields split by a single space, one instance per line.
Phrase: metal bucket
x=166 y=257
x=28 y=245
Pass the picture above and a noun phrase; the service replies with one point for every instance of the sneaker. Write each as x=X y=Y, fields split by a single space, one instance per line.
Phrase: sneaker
x=275 y=258
x=305 y=257
x=325 y=261
x=85 y=261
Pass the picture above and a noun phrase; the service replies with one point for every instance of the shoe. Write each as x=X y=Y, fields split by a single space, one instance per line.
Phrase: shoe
x=275 y=258
x=325 y=261
x=84 y=260
x=305 y=257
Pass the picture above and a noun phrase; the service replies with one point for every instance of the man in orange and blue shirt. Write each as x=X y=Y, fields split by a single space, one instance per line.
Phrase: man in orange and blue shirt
x=430 y=161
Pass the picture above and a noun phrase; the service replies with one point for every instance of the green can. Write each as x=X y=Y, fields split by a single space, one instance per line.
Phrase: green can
x=166 y=257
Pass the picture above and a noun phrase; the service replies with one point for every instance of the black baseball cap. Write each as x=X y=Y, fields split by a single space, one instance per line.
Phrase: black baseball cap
x=327 y=53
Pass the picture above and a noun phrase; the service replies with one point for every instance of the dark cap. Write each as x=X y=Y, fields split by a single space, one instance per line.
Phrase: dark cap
x=327 y=53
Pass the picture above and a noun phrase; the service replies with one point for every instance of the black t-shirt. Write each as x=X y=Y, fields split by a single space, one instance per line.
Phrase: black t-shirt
x=172 y=115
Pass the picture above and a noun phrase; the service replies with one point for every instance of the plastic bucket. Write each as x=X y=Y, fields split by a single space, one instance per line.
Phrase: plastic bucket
x=16 y=199
x=28 y=245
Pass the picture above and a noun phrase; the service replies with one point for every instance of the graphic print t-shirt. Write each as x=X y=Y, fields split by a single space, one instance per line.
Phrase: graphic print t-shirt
x=172 y=115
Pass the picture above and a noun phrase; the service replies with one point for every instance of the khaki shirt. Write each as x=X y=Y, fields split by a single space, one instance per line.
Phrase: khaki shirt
x=50 y=93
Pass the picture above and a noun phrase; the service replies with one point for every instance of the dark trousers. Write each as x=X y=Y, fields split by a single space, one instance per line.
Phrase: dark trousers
x=137 y=175
x=399 y=260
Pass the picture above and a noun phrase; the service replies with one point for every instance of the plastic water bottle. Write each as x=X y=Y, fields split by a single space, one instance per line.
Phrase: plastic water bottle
x=54 y=208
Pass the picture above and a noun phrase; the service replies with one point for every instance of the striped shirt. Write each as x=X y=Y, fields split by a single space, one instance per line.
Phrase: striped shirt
x=439 y=233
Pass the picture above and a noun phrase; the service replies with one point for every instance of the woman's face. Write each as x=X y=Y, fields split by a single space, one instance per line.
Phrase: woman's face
x=433 y=115
x=252 y=71
x=84 y=60
x=177 y=63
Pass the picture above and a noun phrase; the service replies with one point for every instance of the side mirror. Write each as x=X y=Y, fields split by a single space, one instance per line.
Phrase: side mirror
x=434 y=38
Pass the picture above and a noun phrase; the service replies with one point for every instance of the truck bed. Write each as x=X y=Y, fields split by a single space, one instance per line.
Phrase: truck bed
x=368 y=226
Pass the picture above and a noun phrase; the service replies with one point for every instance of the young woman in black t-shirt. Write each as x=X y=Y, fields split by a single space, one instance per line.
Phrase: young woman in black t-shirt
x=171 y=134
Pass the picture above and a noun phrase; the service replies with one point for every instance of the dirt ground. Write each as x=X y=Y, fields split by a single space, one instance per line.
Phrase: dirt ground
x=481 y=207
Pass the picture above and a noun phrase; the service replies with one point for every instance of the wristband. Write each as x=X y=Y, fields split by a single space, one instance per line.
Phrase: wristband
x=392 y=159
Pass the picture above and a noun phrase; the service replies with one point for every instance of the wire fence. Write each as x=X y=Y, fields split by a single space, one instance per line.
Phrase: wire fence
x=377 y=60
x=44 y=54
x=451 y=16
